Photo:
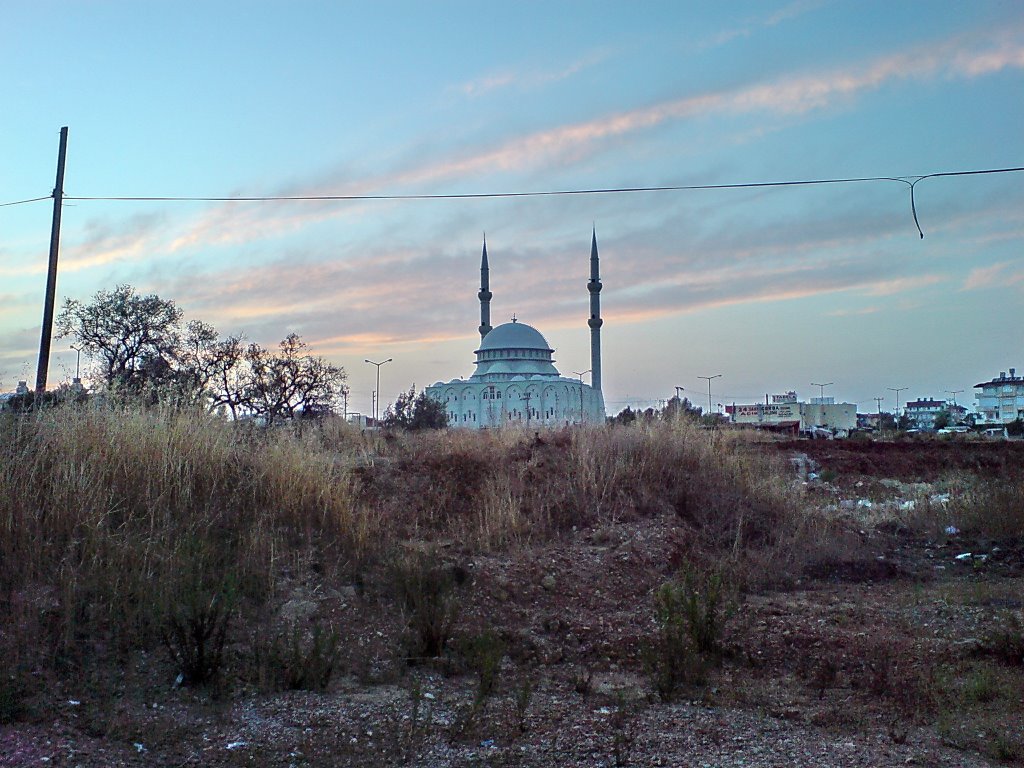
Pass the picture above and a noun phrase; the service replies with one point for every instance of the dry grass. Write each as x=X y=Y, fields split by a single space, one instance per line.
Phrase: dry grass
x=114 y=518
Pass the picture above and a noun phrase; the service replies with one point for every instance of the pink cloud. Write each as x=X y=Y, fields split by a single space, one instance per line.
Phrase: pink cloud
x=993 y=276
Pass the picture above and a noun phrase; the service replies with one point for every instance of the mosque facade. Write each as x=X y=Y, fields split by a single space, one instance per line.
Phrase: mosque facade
x=515 y=381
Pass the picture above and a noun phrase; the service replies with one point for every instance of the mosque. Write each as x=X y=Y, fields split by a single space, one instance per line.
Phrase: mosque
x=515 y=381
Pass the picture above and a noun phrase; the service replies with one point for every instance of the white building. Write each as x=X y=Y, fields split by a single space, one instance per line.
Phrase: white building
x=924 y=411
x=1001 y=400
x=515 y=381
x=786 y=413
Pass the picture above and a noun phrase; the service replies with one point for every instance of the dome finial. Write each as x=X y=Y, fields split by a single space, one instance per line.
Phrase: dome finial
x=514 y=319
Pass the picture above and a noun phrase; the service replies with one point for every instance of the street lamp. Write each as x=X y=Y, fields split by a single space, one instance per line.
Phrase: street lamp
x=709 y=378
x=954 y=393
x=78 y=363
x=821 y=390
x=376 y=400
x=581 y=374
x=897 y=390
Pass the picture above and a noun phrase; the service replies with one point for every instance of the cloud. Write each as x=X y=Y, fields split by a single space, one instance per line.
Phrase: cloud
x=527 y=79
x=997 y=275
x=852 y=312
x=747 y=28
x=965 y=56
x=902 y=284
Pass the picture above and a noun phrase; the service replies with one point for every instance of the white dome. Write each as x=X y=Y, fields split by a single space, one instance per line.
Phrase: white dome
x=515 y=336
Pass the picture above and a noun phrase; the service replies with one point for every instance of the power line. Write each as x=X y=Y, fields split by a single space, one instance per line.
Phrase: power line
x=911 y=181
x=30 y=200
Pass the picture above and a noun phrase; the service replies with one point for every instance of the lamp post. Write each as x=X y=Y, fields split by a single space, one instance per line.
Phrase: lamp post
x=954 y=393
x=897 y=390
x=581 y=374
x=78 y=363
x=709 y=378
x=376 y=399
x=821 y=390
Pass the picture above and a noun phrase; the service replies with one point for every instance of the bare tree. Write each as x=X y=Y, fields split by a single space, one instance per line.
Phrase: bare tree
x=282 y=384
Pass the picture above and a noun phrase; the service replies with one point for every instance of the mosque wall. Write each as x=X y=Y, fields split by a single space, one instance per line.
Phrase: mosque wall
x=493 y=404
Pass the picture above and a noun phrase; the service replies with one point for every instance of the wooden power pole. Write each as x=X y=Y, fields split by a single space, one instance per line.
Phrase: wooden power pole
x=51 y=274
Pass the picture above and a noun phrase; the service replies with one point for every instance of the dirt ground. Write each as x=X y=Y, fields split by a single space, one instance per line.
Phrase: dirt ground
x=892 y=658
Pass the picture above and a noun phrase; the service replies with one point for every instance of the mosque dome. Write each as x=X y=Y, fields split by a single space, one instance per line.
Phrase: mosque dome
x=515 y=335
x=514 y=350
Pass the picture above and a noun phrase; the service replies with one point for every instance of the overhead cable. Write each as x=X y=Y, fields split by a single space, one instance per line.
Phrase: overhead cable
x=911 y=181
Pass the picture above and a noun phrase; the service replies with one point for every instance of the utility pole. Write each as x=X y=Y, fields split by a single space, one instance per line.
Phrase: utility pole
x=678 y=390
x=709 y=378
x=954 y=393
x=51 y=275
x=897 y=390
x=821 y=391
x=376 y=394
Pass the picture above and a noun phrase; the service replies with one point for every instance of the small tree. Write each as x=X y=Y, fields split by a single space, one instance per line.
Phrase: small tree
x=942 y=420
x=291 y=381
x=135 y=338
x=676 y=408
x=415 y=412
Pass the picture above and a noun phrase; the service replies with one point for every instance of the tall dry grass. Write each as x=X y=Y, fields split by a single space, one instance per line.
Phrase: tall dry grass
x=110 y=516
x=113 y=518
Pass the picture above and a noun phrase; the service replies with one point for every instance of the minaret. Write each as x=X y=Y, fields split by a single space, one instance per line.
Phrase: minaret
x=595 y=322
x=485 y=294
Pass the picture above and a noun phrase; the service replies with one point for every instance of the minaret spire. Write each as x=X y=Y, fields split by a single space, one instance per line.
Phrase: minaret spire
x=485 y=294
x=595 y=322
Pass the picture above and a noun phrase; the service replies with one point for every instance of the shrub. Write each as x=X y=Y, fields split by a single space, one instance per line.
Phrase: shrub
x=305 y=663
x=689 y=615
x=424 y=588
x=1005 y=639
x=483 y=654
x=195 y=631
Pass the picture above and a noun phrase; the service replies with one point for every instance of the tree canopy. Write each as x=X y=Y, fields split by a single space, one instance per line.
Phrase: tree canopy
x=415 y=412
x=145 y=350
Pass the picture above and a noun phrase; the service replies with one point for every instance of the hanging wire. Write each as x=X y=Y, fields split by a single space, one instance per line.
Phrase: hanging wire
x=30 y=200
x=910 y=181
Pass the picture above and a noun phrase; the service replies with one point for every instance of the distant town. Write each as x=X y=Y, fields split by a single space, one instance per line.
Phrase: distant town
x=998 y=411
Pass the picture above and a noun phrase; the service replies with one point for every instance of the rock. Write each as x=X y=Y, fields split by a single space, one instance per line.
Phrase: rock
x=548 y=582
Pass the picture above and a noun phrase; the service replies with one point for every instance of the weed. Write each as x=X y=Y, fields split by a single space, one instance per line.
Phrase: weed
x=522 y=697
x=624 y=730
x=583 y=681
x=483 y=654
x=424 y=588
x=983 y=686
x=14 y=690
x=1005 y=639
x=671 y=657
x=306 y=665
x=195 y=631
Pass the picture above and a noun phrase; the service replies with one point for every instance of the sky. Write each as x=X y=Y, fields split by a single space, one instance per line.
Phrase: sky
x=773 y=288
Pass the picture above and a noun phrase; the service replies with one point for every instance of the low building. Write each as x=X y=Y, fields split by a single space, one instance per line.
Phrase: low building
x=924 y=411
x=1001 y=400
x=786 y=413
